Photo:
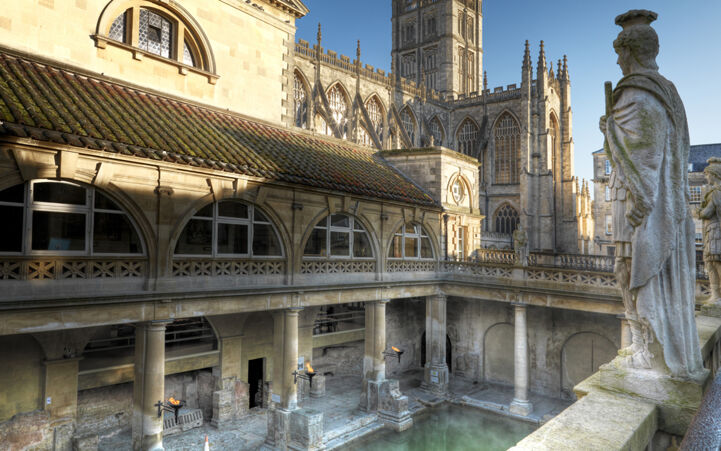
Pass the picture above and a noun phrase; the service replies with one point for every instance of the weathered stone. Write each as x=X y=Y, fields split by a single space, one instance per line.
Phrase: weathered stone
x=86 y=442
x=306 y=429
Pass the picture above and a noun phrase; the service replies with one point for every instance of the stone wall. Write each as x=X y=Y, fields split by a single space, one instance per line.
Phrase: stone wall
x=341 y=360
x=405 y=324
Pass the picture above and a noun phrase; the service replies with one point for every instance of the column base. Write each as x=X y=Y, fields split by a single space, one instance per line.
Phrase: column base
x=435 y=379
x=520 y=407
x=677 y=399
x=278 y=429
x=392 y=405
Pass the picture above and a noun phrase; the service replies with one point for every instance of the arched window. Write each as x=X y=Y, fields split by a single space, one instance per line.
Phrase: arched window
x=301 y=102
x=229 y=229
x=467 y=138
x=364 y=137
x=409 y=124
x=321 y=126
x=507 y=219
x=411 y=242
x=339 y=235
x=61 y=218
x=375 y=114
x=437 y=132
x=554 y=153
x=159 y=31
x=507 y=138
x=338 y=106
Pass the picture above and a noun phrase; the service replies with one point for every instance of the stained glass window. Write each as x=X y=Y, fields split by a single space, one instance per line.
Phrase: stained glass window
x=467 y=138
x=301 y=103
x=117 y=29
x=507 y=219
x=337 y=104
x=155 y=33
x=507 y=162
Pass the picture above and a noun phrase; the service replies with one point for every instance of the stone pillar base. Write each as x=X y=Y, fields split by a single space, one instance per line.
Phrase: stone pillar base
x=278 y=429
x=435 y=379
x=299 y=429
x=230 y=403
x=520 y=407
x=392 y=405
x=677 y=399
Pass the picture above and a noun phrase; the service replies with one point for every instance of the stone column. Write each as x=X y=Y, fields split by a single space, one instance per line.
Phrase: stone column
x=436 y=369
x=149 y=385
x=285 y=361
x=626 y=340
x=520 y=404
x=374 y=362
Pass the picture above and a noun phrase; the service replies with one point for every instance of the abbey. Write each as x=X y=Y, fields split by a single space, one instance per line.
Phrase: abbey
x=203 y=216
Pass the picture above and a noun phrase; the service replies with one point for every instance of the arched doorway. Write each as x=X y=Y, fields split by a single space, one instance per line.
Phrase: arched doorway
x=449 y=352
x=581 y=356
x=498 y=354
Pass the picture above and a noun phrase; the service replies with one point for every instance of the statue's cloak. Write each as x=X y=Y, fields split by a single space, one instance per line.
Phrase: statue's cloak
x=648 y=141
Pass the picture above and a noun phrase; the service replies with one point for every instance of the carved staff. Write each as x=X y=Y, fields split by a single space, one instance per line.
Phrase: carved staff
x=608 y=89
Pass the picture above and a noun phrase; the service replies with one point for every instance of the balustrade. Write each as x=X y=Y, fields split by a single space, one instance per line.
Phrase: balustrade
x=54 y=268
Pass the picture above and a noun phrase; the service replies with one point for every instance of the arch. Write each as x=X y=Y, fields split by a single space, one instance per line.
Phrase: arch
x=506 y=218
x=380 y=101
x=466 y=186
x=409 y=123
x=437 y=131
x=25 y=358
x=301 y=95
x=422 y=247
x=498 y=363
x=449 y=352
x=554 y=131
x=317 y=240
x=189 y=28
x=581 y=355
x=339 y=105
x=467 y=137
x=376 y=113
x=507 y=149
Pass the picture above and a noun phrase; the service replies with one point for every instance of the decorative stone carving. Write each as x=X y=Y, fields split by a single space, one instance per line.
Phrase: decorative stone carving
x=710 y=212
x=648 y=144
x=520 y=246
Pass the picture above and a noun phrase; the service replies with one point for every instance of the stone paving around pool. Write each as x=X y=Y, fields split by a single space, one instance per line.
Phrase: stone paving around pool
x=343 y=421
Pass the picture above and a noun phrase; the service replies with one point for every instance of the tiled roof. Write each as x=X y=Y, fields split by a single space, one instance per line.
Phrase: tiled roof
x=58 y=105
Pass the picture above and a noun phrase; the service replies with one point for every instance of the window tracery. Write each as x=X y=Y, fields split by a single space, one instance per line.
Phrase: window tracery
x=341 y=236
x=409 y=124
x=467 y=138
x=507 y=219
x=375 y=114
x=507 y=139
x=437 y=132
x=301 y=102
x=411 y=242
x=338 y=106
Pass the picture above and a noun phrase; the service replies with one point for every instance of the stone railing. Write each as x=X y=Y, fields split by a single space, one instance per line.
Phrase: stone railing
x=503 y=257
x=476 y=269
x=195 y=267
x=337 y=266
x=578 y=278
x=55 y=268
x=411 y=266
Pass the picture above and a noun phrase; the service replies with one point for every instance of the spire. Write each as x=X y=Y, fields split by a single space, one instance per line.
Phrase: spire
x=485 y=80
x=541 y=69
x=358 y=52
x=319 y=35
x=560 y=71
x=527 y=57
x=565 y=68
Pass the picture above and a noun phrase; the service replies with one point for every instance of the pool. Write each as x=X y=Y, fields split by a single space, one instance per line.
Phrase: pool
x=450 y=428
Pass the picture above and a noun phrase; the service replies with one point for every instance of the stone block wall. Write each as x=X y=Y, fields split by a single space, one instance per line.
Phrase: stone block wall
x=341 y=360
x=405 y=324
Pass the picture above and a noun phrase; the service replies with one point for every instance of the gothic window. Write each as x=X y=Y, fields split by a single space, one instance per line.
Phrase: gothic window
x=338 y=106
x=411 y=242
x=507 y=219
x=409 y=32
x=322 y=126
x=301 y=102
x=430 y=68
x=470 y=72
x=409 y=124
x=469 y=29
x=375 y=114
x=467 y=138
x=507 y=139
x=462 y=25
x=430 y=25
x=341 y=236
x=461 y=69
x=159 y=32
x=364 y=137
x=437 y=132
x=408 y=66
x=607 y=191
x=61 y=218
x=229 y=229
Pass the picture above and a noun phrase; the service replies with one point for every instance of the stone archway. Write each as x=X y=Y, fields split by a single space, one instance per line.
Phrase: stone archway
x=498 y=354
x=581 y=355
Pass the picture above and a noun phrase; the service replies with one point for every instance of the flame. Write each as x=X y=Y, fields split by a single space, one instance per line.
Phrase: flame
x=310 y=368
x=395 y=349
x=173 y=401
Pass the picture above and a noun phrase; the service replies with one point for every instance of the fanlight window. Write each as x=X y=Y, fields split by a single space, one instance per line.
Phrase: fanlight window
x=301 y=102
x=467 y=138
x=61 y=218
x=159 y=34
x=507 y=136
x=411 y=242
x=409 y=124
x=507 y=219
x=339 y=236
x=229 y=229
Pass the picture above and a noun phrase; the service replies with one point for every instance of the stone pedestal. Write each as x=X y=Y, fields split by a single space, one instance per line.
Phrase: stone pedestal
x=436 y=370
x=278 y=436
x=677 y=399
x=229 y=403
x=306 y=429
x=520 y=404
x=392 y=406
x=626 y=339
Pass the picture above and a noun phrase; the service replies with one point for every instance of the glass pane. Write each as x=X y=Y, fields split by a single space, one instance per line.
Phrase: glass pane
x=426 y=248
x=117 y=29
x=154 y=33
x=340 y=243
x=396 y=247
x=11 y=229
x=233 y=210
x=411 y=247
x=316 y=243
x=205 y=212
x=196 y=239
x=15 y=194
x=339 y=221
x=114 y=234
x=103 y=203
x=361 y=245
x=265 y=242
x=59 y=193
x=232 y=238
x=58 y=231
x=410 y=228
x=187 y=55
x=259 y=217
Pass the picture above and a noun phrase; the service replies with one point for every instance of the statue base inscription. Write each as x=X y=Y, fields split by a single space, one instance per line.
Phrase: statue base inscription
x=677 y=399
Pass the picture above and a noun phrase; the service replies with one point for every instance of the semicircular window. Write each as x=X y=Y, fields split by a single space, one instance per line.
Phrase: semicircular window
x=61 y=218
x=411 y=242
x=229 y=229
x=339 y=236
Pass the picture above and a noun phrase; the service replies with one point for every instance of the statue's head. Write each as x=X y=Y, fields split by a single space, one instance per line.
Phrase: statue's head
x=713 y=170
x=637 y=44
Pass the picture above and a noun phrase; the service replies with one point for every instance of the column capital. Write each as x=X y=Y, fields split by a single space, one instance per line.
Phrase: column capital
x=518 y=304
x=293 y=310
x=383 y=301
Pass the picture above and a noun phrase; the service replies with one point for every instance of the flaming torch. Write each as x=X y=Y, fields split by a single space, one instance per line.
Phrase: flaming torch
x=395 y=351
x=310 y=372
x=173 y=405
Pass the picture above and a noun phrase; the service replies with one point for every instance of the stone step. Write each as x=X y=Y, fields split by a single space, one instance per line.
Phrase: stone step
x=350 y=427
x=348 y=435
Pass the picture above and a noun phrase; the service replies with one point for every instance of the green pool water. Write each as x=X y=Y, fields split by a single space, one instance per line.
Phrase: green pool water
x=450 y=428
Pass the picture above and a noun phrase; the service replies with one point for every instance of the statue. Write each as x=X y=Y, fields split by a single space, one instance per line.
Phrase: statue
x=710 y=212
x=520 y=245
x=648 y=145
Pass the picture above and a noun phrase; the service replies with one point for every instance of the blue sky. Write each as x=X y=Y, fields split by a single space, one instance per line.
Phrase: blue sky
x=690 y=34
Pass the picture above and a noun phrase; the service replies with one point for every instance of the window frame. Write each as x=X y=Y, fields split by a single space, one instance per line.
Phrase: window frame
x=418 y=234
x=351 y=230
x=695 y=194
x=30 y=206
x=609 y=225
x=216 y=220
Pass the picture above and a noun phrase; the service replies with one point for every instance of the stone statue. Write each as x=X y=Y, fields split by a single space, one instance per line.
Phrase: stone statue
x=648 y=144
x=520 y=245
x=710 y=212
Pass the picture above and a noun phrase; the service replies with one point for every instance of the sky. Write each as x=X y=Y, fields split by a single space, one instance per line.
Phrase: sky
x=689 y=32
